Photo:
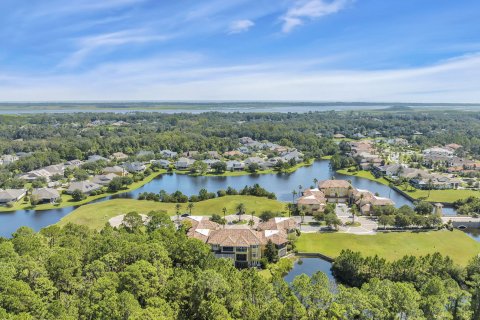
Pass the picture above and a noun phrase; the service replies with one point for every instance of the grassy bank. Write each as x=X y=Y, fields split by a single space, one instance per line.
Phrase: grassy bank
x=246 y=173
x=460 y=247
x=364 y=174
x=445 y=196
x=97 y=214
x=67 y=200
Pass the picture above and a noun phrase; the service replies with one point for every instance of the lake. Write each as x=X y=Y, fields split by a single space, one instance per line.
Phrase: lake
x=309 y=266
x=281 y=184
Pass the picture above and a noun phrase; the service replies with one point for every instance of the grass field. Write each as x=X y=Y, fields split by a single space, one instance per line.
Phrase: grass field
x=97 y=214
x=68 y=202
x=245 y=173
x=364 y=174
x=391 y=246
x=449 y=196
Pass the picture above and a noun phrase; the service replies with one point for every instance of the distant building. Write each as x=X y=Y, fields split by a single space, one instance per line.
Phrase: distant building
x=12 y=195
x=42 y=195
x=84 y=187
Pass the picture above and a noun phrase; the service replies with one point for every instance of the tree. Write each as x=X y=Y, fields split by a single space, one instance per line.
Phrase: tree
x=302 y=213
x=219 y=167
x=271 y=252
x=178 y=207
x=294 y=193
x=190 y=207
x=354 y=212
x=267 y=215
x=332 y=221
x=252 y=167
x=240 y=210
x=386 y=220
x=423 y=207
x=77 y=195
x=132 y=221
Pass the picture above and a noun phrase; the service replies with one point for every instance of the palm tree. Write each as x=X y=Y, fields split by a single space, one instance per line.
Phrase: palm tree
x=315 y=181
x=294 y=193
x=224 y=220
x=354 y=211
x=302 y=213
x=240 y=209
x=288 y=207
x=300 y=187
x=190 y=207
x=251 y=222
x=177 y=210
x=430 y=186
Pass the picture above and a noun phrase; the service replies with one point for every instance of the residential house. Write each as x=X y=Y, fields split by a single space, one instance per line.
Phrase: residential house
x=232 y=153
x=165 y=164
x=42 y=195
x=255 y=160
x=134 y=167
x=8 y=159
x=390 y=170
x=453 y=146
x=184 y=163
x=11 y=195
x=435 y=182
x=213 y=155
x=296 y=155
x=190 y=154
x=117 y=170
x=234 y=165
x=104 y=179
x=210 y=162
x=85 y=187
x=168 y=154
x=312 y=200
x=288 y=225
x=72 y=164
x=245 y=247
x=438 y=151
x=366 y=201
x=338 y=136
x=119 y=156
x=335 y=190
x=96 y=157
x=145 y=154
x=245 y=140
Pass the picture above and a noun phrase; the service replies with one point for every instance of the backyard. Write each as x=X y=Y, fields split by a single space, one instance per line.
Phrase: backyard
x=460 y=247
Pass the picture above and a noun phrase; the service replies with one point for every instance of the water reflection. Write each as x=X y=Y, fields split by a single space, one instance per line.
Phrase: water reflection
x=309 y=266
x=281 y=184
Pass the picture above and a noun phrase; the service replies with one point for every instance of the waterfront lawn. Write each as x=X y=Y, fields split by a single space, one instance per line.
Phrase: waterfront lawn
x=96 y=215
x=445 y=196
x=67 y=200
x=364 y=174
x=391 y=246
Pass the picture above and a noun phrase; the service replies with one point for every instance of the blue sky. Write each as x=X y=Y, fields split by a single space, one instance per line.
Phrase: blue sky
x=322 y=50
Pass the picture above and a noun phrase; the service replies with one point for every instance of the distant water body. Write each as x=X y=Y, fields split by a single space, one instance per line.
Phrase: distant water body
x=227 y=107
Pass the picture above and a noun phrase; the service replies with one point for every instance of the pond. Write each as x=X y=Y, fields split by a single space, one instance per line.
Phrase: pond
x=281 y=184
x=309 y=266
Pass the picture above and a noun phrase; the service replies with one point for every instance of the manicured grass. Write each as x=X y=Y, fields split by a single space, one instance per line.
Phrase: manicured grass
x=246 y=173
x=448 y=196
x=391 y=246
x=97 y=214
x=68 y=202
x=364 y=174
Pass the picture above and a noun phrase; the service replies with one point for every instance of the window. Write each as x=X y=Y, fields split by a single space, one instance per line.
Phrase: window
x=227 y=249
x=241 y=249
x=254 y=246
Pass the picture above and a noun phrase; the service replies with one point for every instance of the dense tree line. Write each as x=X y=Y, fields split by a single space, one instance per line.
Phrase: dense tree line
x=56 y=137
x=157 y=272
x=178 y=196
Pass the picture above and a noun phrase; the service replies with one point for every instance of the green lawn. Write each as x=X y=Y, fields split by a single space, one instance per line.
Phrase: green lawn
x=245 y=173
x=441 y=195
x=364 y=174
x=391 y=246
x=68 y=202
x=97 y=214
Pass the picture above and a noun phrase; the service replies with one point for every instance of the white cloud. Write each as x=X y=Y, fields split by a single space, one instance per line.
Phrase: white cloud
x=88 y=45
x=188 y=77
x=239 y=26
x=310 y=9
